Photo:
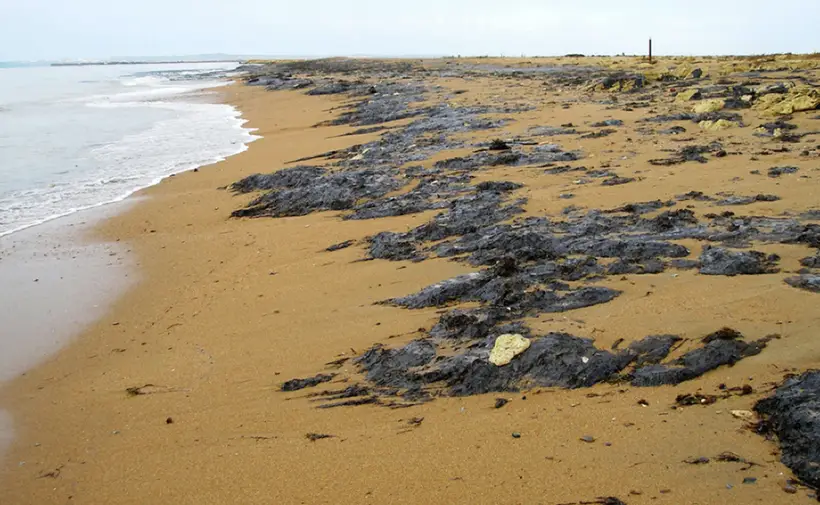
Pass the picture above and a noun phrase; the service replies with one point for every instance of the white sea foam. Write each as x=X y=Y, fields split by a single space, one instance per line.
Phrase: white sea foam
x=95 y=148
x=146 y=80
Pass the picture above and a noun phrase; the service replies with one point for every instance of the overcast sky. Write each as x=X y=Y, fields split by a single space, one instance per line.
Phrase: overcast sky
x=59 y=29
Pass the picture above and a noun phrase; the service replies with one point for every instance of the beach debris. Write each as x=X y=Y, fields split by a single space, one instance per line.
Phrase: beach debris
x=796 y=99
x=617 y=181
x=370 y=400
x=724 y=347
x=791 y=414
x=720 y=261
x=340 y=245
x=527 y=264
x=541 y=154
x=391 y=366
x=811 y=261
x=730 y=457
x=719 y=125
x=711 y=105
x=744 y=415
x=674 y=130
x=500 y=402
x=317 y=436
x=337 y=363
x=689 y=153
x=607 y=122
x=697 y=461
x=588 y=439
x=688 y=399
x=776 y=172
x=553 y=360
x=651 y=350
x=507 y=347
x=608 y=500
x=309 y=382
x=498 y=145
x=598 y=134
x=695 y=117
x=333 y=87
x=327 y=191
x=688 y=95
x=620 y=82
x=774 y=129
x=149 y=389
x=550 y=131
x=51 y=474
x=746 y=200
x=169 y=420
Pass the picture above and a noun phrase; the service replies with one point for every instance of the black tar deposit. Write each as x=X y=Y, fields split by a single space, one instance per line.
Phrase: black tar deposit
x=526 y=264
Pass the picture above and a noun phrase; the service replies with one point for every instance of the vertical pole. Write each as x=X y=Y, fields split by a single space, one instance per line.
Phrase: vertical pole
x=650 y=50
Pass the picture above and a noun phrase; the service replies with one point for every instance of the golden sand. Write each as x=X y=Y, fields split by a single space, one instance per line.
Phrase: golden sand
x=227 y=309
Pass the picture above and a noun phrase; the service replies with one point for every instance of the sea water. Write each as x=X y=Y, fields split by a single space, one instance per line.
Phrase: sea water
x=76 y=137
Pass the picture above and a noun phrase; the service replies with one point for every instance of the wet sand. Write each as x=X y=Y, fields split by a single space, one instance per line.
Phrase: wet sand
x=56 y=281
x=228 y=309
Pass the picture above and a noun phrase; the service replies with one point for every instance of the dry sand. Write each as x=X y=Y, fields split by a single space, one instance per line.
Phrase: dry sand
x=227 y=309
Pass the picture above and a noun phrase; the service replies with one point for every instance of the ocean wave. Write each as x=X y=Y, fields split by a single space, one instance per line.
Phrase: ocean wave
x=202 y=135
x=53 y=199
x=94 y=167
x=149 y=95
x=145 y=80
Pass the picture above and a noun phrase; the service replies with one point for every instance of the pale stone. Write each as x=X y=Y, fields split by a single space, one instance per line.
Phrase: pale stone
x=713 y=105
x=507 y=347
x=719 y=125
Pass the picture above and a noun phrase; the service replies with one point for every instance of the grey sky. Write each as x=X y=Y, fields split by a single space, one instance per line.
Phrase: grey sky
x=57 y=29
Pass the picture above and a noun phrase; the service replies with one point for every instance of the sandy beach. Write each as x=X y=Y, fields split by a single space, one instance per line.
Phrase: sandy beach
x=226 y=309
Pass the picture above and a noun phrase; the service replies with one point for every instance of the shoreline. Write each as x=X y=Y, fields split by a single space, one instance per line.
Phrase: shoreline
x=228 y=309
x=60 y=268
x=56 y=282
x=156 y=199
x=244 y=145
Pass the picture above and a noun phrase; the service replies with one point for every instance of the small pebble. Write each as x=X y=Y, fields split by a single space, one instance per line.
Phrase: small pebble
x=169 y=421
x=789 y=488
x=750 y=480
x=500 y=402
x=588 y=439
x=516 y=434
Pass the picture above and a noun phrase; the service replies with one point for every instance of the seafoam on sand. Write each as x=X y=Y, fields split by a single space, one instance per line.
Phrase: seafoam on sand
x=73 y=138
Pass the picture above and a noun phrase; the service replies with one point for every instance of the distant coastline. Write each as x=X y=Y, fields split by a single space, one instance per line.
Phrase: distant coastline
x=169 y=62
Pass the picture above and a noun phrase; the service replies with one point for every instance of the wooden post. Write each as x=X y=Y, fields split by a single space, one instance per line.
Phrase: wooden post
x=650 y=50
